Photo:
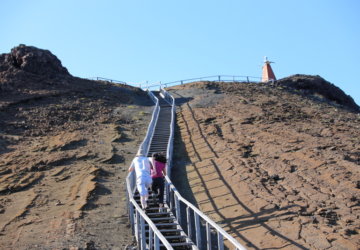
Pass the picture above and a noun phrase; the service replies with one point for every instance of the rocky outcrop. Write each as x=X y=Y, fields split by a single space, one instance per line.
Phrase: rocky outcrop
x=317 y=86
x=32 y=60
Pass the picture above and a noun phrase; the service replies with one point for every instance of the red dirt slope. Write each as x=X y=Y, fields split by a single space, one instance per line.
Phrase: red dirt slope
x=65 y=146
x=276 y=166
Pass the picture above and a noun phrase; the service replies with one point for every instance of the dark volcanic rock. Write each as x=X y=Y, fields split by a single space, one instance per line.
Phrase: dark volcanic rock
x=27 y=70
x=33 y=60
x=36 y=91
x=316 y=85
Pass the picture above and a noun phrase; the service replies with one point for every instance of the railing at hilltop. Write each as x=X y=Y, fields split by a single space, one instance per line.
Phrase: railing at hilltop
x=107 y=80
x=217 y=78
x=159 y=85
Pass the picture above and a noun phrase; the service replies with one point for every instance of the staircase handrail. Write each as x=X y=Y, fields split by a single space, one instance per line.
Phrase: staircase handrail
x=173 y=195
x=189 y=205
x=170 y=99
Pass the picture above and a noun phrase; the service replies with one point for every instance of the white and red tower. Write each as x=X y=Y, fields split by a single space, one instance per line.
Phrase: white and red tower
x=267 y=72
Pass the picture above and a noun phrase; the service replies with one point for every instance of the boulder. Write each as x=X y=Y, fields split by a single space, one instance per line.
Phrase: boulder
x=316 y=86
x=32 y=60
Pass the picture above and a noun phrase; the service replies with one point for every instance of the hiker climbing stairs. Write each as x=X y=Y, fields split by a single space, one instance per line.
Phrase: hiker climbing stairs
x=164 y=218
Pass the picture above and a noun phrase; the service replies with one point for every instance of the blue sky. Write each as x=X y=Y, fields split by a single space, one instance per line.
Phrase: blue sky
x=137 y=41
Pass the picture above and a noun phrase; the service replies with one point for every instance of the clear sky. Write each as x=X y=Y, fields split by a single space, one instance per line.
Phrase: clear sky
x=153 y=40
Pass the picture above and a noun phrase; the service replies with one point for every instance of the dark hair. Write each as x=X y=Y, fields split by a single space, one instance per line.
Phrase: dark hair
x=160 y=156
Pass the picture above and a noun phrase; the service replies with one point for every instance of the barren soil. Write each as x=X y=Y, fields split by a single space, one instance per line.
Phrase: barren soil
x=65 y=146
x=276 y=168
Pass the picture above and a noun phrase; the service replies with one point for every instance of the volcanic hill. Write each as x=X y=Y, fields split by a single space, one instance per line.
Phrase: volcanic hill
x=276 y=164
x=65 y=146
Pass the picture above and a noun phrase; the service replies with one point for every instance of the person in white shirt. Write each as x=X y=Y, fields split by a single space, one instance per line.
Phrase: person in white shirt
x=142 y=165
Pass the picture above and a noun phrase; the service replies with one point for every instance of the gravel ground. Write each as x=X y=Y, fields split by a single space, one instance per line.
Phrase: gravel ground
x=64 y=153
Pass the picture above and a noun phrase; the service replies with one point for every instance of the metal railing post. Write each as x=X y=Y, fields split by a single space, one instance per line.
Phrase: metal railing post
x=188 y=221
x=156 y=243
x=142 y=229
x=131 y=215
x=197 y=230
x=208 y=236
x=150 y=238
x=167 y=197
x=137 y=234
x=171 y=199
x=220 y=239
x=177 y=207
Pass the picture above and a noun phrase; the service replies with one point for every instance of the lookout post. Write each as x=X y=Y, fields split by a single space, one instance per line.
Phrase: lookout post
x=267 y=72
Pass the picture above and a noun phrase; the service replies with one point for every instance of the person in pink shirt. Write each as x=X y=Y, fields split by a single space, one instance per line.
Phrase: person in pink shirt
x=158 y=173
